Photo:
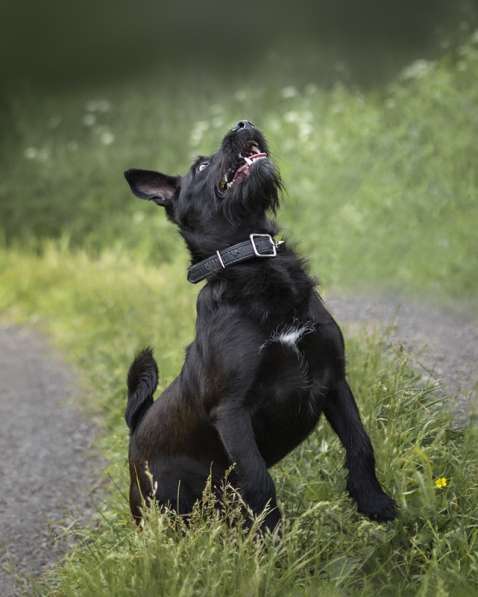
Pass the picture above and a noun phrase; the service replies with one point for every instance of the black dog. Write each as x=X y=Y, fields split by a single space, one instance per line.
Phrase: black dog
x=267 y=358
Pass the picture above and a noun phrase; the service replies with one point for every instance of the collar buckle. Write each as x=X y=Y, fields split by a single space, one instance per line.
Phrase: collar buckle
x=252 y=238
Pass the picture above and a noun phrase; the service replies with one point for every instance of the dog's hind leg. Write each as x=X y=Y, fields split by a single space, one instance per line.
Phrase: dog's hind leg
x=256 y=485
x=362 y=484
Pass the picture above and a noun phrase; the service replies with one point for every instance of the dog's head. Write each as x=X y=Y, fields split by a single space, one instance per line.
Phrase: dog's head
x=223 y=197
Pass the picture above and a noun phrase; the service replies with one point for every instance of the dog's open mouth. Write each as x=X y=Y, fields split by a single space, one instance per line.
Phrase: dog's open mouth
x=242 y=166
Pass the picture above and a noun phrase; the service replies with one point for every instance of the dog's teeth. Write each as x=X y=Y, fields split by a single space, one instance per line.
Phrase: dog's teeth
x=245 y=158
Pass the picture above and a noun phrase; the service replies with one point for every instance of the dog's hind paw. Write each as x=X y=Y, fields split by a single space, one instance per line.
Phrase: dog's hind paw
x=272 y=520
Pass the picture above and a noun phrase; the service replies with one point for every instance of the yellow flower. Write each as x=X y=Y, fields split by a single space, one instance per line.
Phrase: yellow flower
x=441 y=482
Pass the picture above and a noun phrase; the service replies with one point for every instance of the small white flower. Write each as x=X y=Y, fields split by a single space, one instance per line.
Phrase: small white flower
x=291 y=117
x=89 y=119
x=417 y=70
x=30 y=153
x=305 y=130
x=289 y=92
x=198 y=131
x=351 y=214
x=34 y=153
x=107 y=137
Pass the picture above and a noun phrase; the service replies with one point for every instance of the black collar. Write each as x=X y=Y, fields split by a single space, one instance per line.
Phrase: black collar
x=258 y=245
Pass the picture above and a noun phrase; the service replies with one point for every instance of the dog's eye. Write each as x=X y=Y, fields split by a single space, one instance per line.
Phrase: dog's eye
x=203 y=166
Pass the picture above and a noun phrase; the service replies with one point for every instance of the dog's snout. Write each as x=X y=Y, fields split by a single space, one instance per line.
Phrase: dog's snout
x=243 y=124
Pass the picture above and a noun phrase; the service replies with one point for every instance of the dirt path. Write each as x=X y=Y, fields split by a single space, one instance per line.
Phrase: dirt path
x=46 y=468
x=443 y=343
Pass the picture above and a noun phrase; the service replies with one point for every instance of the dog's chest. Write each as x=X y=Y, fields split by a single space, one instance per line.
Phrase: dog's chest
x=289 y=335
x=283 y=377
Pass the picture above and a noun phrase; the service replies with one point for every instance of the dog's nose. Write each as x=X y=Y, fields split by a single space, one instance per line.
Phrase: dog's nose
x=243 y=124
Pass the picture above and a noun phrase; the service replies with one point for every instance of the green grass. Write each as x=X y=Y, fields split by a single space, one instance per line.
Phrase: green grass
x=102 y=310
x=382 y=191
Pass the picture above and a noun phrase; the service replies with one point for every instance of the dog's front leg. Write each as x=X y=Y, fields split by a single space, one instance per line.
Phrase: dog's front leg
x=234 y=426
x=342 y=413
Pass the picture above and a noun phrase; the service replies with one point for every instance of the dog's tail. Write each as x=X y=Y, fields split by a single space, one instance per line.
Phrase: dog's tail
x=142 y=382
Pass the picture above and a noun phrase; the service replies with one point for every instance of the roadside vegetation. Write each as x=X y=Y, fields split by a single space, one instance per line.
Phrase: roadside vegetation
x=381 y=192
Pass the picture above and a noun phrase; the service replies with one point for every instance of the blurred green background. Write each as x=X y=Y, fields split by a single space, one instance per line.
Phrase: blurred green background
x=370 y=109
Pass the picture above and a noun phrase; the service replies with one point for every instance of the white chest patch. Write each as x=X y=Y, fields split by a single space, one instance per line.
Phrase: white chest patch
x=290 y=335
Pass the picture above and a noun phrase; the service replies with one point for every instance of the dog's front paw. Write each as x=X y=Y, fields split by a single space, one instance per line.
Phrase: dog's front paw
x=379 y=507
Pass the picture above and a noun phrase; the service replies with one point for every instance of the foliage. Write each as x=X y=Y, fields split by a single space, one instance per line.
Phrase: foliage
x=391 y=174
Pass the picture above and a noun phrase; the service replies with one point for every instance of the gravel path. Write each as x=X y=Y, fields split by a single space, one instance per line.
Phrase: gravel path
x=47 y=470
x=443 y=343
x=48 y=473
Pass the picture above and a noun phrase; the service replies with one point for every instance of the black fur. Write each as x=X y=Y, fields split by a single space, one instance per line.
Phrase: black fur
x=142 y=383
x=267 y=359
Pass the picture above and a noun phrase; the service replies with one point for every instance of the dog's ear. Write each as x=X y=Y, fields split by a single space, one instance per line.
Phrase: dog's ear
x=154 y=186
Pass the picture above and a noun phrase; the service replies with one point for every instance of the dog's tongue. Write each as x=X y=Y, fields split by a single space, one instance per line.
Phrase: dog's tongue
x=244 y=170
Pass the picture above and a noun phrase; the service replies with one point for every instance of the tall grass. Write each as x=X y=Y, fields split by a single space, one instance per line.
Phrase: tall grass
x=101 y=310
